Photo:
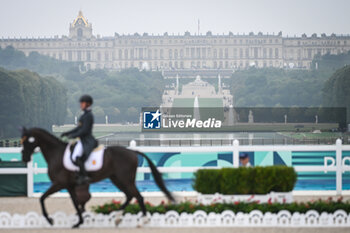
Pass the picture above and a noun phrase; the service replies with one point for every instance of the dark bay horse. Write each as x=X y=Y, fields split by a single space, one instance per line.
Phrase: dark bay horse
x=119 y=165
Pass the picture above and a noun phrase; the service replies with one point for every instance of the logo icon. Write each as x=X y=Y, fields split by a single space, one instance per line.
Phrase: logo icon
x=152 y=120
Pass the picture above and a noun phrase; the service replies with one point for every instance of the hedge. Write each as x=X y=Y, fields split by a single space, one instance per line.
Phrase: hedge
x=245 y=180
x=320 y=206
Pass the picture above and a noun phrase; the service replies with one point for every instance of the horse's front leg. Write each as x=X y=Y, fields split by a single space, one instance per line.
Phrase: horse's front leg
x=54 y=188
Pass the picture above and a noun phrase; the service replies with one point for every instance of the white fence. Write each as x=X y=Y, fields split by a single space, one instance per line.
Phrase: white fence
x=172 y=219
x=337 y=165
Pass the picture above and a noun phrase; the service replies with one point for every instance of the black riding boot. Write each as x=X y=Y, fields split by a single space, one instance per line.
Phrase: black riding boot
x=82 y=174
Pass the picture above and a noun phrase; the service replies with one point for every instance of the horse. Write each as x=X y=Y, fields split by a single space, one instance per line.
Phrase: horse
x=119 y=165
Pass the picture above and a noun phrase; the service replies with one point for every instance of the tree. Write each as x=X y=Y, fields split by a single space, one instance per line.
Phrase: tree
x=336 y=91
x=28 y=99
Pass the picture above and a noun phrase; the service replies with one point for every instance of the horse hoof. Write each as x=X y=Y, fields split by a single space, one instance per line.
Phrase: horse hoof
x=50 y=220
x=118 y=221
x=76 y=226
x=143 y=221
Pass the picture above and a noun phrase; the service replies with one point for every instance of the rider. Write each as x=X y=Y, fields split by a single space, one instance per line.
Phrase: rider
x=84 y=132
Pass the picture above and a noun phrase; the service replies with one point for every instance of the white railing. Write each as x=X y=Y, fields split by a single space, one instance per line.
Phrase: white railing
x=170 y=219
x=337 y=165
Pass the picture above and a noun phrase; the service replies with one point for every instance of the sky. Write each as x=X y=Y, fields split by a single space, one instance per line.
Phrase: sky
x=47 y=18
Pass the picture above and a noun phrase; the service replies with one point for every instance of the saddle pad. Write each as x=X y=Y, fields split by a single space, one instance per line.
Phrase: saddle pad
x=93 y=163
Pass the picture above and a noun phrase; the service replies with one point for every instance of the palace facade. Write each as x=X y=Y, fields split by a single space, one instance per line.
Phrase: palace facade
x=182 y=52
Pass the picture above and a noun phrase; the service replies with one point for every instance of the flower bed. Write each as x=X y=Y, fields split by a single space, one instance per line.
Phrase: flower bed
x=207 y=199
x=329 y=206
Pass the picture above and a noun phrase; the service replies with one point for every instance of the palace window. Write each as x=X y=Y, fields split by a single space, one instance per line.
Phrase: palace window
x=220 y=53
x=120 y=54
x=192 y=52
x=276 y=53
x=235 y=52
x=226 y=53
x=247 y=53
x=264 y=53
x=126 y=54
x=132 y=54
x=140 y=53
x=161 y=54
x=256 y=52
x=106 y=56
x=270 y=52
x=175 y=55
x=88 y=56
x=170 y=53
x=240 y=53
x=291 y=53
x=204 y=52
x=155 y=53
x=181 y=53
x=215 y=53
x=198 y=52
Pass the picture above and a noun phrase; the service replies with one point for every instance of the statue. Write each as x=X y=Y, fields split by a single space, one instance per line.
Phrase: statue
x=250 y=117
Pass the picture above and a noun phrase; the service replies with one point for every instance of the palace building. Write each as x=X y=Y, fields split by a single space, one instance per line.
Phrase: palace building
x=181 y=52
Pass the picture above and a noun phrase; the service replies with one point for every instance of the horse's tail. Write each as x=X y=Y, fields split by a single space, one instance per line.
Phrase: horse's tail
x=157 y=177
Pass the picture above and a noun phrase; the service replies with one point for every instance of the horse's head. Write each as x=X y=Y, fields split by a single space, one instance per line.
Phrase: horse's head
x=29 y=143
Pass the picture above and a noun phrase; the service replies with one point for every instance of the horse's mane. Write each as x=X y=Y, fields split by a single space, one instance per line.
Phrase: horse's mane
x=47 y=134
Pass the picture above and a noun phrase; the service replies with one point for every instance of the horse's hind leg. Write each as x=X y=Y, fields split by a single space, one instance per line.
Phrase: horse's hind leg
x=135 y=193
x=76 y=205
x=144 y=220
x=130 y=191
x=122 y=188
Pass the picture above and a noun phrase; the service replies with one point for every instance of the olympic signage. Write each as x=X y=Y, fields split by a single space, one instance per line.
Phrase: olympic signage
x=332 y=163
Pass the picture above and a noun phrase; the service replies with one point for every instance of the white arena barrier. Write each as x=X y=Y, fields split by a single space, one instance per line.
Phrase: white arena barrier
x=172 y=219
